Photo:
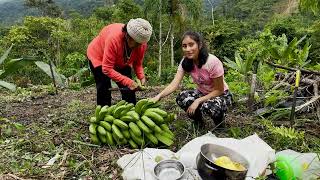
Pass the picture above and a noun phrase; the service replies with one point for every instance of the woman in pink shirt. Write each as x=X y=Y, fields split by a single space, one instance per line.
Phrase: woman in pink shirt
x=212 y=95
x=113 y=53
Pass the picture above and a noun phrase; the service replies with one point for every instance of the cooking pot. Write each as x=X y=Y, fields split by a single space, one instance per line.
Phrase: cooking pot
x=207 y=169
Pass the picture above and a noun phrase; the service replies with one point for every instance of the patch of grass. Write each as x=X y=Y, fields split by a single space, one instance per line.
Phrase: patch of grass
x=241 y=132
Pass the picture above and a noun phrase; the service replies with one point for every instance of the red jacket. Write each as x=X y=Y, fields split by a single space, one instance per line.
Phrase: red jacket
x=107 y=49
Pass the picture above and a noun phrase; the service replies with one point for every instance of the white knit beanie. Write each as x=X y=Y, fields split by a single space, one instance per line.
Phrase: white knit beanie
x=139 y=29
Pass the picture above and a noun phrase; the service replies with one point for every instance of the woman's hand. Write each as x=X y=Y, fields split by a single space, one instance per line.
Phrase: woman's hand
x=143 y=81
x=192 y=108
x=133 y=86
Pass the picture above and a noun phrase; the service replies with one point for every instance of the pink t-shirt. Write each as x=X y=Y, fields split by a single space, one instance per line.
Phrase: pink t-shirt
x=204 y=76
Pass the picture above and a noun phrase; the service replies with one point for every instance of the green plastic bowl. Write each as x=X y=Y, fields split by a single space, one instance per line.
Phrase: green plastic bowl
x=287 y=168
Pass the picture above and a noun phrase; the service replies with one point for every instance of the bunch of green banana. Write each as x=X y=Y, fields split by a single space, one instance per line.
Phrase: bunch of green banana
x=123 y=123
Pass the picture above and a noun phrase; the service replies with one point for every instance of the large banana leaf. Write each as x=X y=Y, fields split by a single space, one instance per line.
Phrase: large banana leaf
x=304 y=53
x=14 y=65
x=231 y=64
x=80 y=72
x=290 y=48
x=300 y=40
x=239 y=62
x=46 y=68
x=275 y=53
x=7 y=85
x=5 y=55
x=248 y=63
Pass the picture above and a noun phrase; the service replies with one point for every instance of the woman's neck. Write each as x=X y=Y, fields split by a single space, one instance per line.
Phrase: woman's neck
x=127 y=49
x=196 y=61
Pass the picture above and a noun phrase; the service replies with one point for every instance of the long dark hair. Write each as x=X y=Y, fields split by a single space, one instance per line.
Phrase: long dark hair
x=124 y=28
x=187 y=64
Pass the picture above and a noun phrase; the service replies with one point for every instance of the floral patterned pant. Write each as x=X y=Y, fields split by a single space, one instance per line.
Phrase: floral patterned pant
x=214 y=107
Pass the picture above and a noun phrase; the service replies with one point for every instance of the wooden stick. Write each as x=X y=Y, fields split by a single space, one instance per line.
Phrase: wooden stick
x=83 y=143
x=303 y=71
x=53 y=79
x=308 y=81
x=14 y=176
x=292 y=115
x=316 y=93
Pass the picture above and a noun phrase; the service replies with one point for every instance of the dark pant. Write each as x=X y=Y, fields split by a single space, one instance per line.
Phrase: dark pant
x=214 y=107
x=103 y=83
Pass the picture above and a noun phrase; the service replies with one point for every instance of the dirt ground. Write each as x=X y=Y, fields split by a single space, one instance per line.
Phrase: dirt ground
x=58 y=124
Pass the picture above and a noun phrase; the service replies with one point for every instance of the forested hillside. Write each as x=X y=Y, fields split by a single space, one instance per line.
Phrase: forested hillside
x=13 y=11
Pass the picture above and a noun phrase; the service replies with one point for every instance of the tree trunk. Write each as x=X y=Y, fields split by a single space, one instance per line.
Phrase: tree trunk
x=253 y=86
x=252 y=92
x=160 y=38
x=172 y=51
x=212 y=16
x=58 y=55
x=171 y=40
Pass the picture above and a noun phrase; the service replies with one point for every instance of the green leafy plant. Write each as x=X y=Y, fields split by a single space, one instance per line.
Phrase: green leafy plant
x=7 y=127
x=188 y=83
x=290 y=54
x=5 y=84
x=239 y=88
x=315 y=67
x=284 y=137
x=280 y=114
x=266 y=76
x=285 y=132
x=307 y=5
x=14 y=65
x=243 y=66
x=274 y=96
x=72 y=64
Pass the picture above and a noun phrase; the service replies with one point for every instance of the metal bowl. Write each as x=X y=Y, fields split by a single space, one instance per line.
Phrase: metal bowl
x=169 y=170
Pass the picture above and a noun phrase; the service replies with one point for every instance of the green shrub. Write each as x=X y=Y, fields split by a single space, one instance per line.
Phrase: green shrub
x=73 y=63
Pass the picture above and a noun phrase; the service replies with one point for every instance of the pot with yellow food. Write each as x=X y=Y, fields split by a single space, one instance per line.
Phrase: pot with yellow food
x=216 y=162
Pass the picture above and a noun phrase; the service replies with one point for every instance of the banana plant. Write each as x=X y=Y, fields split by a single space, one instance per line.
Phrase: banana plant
x=5 y=84
x=14 y=65
x=290 y=54
x=243 y=66
x=310 y=5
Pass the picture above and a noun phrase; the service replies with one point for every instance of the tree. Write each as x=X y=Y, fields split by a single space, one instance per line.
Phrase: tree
x=307 y=5
x=126 y=10
x=169 y=15
x=46 y=7
x=212 y=7
x=14 y=65
x=7 y=85
x=160 y=38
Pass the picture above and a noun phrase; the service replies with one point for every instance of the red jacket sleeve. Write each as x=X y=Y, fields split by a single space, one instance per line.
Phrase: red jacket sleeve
x=138 y=68
x=108 y=62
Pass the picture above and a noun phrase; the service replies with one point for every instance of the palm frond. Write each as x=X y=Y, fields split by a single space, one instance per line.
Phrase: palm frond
x=231 y=64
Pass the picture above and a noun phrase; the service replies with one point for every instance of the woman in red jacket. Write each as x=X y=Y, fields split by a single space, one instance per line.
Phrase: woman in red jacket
x=113 y=53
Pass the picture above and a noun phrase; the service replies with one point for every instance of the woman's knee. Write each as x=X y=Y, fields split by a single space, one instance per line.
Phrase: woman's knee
x=181 y=96
x=214 y=106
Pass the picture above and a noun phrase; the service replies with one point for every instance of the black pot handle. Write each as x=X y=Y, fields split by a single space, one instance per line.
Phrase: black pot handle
x=210 y=167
